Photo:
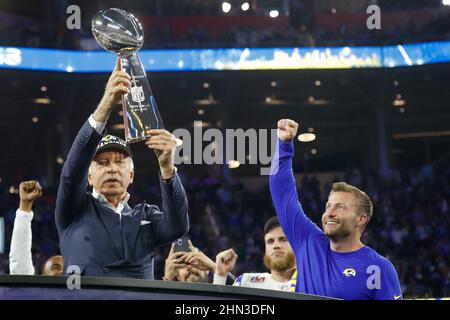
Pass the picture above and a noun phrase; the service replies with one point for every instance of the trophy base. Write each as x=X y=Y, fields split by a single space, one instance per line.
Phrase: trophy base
x=135 y=140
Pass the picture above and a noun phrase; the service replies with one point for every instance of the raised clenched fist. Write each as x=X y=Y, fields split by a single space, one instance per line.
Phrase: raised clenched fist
x=287 y=129
x=29 y=191
x=225 y=262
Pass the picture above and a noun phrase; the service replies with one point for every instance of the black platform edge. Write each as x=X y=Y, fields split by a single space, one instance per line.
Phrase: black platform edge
x=154 y=286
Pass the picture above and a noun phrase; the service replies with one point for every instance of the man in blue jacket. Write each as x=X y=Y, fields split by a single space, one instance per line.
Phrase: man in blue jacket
x=330 y=262
x=99 y=232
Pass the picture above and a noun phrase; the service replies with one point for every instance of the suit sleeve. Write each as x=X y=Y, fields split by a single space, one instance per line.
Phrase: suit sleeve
x=295 y=224
x=175 y=221
x=20 y=259
x=72 y=186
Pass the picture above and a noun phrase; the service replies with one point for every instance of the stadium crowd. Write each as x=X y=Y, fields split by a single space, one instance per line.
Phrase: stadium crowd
x=300 y=32
x=411 y=223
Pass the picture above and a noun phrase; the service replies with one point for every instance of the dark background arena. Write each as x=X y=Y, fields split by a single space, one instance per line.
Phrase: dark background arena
x=348 y=110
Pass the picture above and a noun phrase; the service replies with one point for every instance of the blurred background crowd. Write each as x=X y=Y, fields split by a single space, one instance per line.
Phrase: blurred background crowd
x=210 y=24
x=411 y=223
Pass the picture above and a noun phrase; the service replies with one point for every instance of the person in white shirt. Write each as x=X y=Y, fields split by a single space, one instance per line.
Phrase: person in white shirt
x=20 y=257
x=279 y=259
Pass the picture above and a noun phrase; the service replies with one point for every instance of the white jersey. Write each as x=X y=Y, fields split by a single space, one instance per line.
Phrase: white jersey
x=261 y=281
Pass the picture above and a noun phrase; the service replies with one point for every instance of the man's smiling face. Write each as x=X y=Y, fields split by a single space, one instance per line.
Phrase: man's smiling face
x=341 y=219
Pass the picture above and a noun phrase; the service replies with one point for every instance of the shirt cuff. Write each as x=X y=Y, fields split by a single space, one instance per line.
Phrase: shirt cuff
x=175 y=169
x=218 y=279
x=28 y=216
x=97 y=125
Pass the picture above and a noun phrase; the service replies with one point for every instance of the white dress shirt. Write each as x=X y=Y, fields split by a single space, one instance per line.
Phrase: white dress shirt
x=102 y=199
x=99 y=127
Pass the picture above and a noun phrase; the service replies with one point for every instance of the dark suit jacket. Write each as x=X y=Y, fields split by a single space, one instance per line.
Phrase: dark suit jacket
x=99 y=241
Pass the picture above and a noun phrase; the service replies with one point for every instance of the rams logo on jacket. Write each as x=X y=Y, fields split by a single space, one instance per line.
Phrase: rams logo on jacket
x=350 y=272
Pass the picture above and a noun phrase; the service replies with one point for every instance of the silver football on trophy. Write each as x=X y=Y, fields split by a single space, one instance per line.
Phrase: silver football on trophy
x=115 y=29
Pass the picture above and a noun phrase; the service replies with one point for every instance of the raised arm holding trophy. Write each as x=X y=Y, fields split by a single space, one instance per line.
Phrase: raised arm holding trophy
x=99 y=232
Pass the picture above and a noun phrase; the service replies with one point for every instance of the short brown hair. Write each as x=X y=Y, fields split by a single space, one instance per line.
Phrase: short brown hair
x=271 y=224
x=363 y=202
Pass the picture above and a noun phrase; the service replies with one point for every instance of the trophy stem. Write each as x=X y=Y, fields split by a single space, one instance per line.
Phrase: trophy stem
x=141 y=113
x=125 y=119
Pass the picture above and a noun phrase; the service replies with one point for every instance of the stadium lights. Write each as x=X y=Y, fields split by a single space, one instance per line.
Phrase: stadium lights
x=318 y=102
x=245 y=6
x=306 y=137
x=12 y=189
x=318 y=83
x=42 y=100
x=273 y=13
x=43 y=89
x=313 y=151
x=446 y=2
x=274 y=101
x=233 y=164
x=398 y=103
x=422 y=134
x=201 y=124
x=206 y=102
x=346 y=51
x=273 y=84
x=226 y=7
x=206 y=85
x=35 y=119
